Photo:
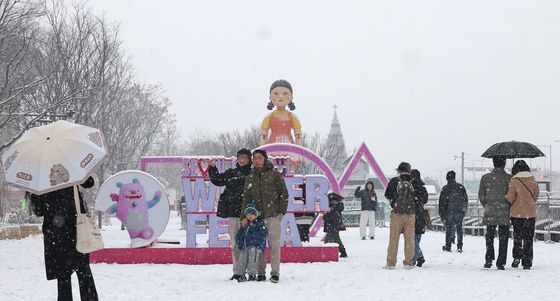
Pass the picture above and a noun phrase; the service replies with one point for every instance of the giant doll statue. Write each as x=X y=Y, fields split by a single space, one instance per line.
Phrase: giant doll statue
x=281 y=122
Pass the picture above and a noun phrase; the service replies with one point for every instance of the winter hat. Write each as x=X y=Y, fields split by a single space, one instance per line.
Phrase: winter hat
x=333 y=197
x=251 y=209
x=450 y=175
x=415 y=173
x=281 y=83
x=404 y=167
x=244 y=151
x=262 y=152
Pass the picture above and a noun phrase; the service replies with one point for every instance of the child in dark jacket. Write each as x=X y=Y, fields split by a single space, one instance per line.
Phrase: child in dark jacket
x=251 y=241
x=333 y=222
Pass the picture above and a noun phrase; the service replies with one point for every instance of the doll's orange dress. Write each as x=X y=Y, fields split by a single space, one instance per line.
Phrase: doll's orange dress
x=281 y=123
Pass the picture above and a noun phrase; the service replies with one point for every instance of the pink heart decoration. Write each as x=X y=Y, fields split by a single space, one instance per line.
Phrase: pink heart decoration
x=203 y=171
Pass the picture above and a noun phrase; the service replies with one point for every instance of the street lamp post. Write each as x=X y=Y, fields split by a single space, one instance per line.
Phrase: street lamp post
x=549 y=156
x=462 y=167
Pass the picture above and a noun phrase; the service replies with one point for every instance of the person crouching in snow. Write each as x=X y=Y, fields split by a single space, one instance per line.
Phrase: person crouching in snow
x=251 y=241
x=333 y=222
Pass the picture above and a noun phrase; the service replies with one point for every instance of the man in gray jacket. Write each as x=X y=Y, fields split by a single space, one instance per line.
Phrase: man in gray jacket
x=492 y=195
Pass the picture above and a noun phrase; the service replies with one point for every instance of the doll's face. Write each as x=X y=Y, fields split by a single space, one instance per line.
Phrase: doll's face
x=281 y=97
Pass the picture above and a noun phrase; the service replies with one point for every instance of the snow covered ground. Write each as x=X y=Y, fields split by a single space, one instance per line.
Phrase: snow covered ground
x=445 y=276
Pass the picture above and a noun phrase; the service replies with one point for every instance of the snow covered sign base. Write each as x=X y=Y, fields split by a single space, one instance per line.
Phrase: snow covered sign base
x=201 y=256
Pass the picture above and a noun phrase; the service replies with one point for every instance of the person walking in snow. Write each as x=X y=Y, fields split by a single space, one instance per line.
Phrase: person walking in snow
x=59 y=236
x=229 y=205
x=420 y=199
x=333 y=222
x=400 y=193
x=251 y=242
x=492 y=195
x=266 y=187
x=453 y=204
x=523 y=194
x=367 y=214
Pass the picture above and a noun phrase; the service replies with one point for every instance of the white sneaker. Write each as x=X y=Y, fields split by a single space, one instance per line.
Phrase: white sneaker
x=389 y=267
x=408 y=267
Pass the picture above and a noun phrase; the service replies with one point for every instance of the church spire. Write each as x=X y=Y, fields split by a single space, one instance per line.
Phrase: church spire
x=335 y=149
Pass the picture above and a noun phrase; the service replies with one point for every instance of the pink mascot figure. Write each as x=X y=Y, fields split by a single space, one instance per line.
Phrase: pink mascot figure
x=132 y=207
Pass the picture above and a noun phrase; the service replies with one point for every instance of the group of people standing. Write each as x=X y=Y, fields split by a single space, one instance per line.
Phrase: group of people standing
x=509 y=199
x=506 y=199
x=254 y=201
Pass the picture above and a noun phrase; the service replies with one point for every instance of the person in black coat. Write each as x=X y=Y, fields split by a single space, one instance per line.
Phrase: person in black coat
x=368 y=199
x=453 y=204
x=59 y=236
x=231 y=199
x=333 y=222
x=420 y=199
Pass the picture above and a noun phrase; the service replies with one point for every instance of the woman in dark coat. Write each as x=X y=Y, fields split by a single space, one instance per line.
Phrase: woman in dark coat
x=59 y=236
x=229 y=205
x=420 y=199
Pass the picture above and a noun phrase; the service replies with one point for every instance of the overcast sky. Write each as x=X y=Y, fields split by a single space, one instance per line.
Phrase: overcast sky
x=419 y=81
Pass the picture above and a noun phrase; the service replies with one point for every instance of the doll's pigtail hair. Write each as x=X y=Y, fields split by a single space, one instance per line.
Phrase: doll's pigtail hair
x=292 y=106
x=270 y=106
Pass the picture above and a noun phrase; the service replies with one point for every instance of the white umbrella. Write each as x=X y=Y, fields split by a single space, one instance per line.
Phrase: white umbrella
x=71 y=150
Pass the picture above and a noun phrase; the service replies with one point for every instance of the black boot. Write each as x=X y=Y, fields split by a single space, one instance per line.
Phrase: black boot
x=261 y=278
x=343 y=253
x=447 y=248
x=488 y=264
x=460 y=247
x=515 y=263
x=420 y=261
x=527 y=264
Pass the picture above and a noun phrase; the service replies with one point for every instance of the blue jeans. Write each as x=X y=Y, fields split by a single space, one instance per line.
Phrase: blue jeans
x=454 y=221
x=417 y=251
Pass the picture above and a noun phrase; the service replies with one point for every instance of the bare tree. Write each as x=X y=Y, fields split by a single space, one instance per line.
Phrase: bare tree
x=19 y=70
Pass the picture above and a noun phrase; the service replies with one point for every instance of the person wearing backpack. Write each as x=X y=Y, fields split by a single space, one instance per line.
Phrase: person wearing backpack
x=400 y=193
x=453 y=203
x=523 y=194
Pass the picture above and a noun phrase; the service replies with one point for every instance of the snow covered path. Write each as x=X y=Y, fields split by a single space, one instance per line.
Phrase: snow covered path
x=445 y=276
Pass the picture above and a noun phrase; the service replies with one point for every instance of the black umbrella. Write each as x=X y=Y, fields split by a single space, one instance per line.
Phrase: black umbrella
x=513 y=149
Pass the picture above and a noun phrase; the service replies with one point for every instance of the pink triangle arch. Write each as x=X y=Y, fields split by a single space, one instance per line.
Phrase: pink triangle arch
x=363 y=151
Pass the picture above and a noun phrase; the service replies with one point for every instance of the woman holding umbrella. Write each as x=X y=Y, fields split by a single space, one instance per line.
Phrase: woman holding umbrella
x=59 y=237
x=50 y=161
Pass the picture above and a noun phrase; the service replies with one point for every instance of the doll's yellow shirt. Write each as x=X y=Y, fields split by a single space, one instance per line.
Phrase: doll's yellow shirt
x=265 y=125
